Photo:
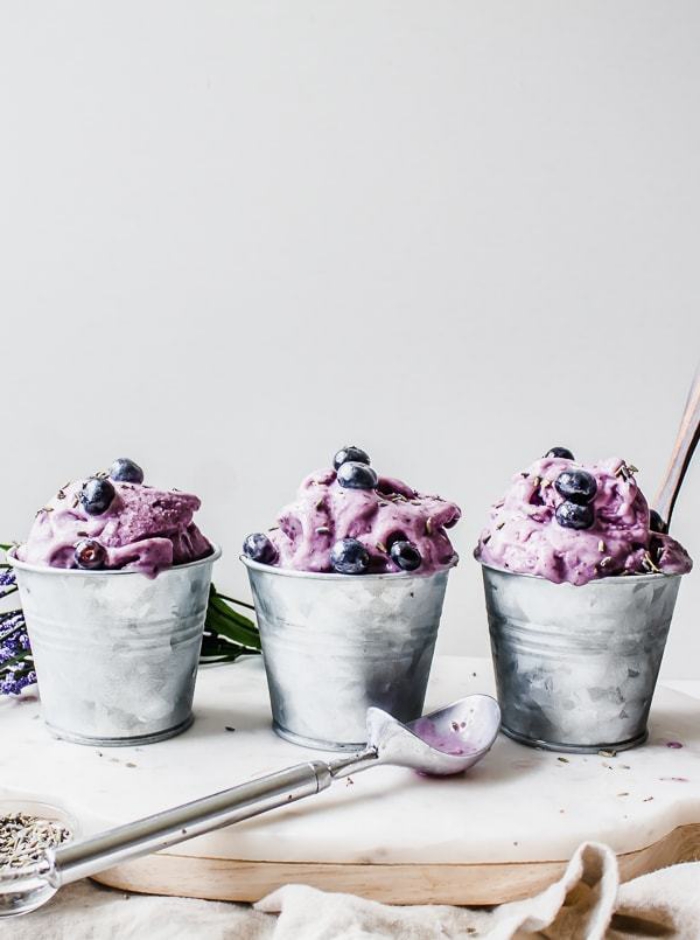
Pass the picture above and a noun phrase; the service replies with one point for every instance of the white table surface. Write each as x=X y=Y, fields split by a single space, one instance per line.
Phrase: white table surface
x=519 y=804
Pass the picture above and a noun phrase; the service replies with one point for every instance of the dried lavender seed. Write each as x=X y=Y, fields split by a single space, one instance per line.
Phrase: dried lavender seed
x=24 y=839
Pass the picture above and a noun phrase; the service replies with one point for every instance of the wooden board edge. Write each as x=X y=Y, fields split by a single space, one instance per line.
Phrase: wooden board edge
x=475 y=884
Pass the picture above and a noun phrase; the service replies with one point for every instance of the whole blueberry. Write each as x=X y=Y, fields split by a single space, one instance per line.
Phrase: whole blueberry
x=563 y=452
x=356 y=454
x=395 y=537
x=348 y=556
x=90 y=554
x=96 y=496
x=575 y=515
x=258 y=547
x=357 y=476
x=656 y=523
x=406 y=556
x=126 y=471
x=578 y=486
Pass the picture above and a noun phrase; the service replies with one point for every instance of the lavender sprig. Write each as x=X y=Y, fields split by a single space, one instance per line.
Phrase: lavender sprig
x=16 y=664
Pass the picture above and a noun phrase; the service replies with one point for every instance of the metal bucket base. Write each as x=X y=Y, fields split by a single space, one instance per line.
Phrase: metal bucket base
x=121 y=742
x=575 y=748
x=313 y=743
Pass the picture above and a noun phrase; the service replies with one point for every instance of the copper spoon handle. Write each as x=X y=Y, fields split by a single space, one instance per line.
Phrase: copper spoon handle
x=686 y=442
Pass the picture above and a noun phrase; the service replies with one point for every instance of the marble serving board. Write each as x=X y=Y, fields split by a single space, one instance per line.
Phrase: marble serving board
x=500 y=832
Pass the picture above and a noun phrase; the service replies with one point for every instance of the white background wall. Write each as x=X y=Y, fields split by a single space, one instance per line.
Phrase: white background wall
x=235 y=236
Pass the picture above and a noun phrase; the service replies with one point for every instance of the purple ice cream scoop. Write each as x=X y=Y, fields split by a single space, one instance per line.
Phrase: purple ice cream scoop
x=395 y=526
x=565 y=522
x=142 y=529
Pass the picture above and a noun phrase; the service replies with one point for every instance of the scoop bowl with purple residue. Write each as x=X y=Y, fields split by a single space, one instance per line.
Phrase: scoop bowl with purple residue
x=444 y=742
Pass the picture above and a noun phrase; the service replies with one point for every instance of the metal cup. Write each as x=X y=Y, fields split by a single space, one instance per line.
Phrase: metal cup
x=576 y=666
x=115 y=652
x=335 y=644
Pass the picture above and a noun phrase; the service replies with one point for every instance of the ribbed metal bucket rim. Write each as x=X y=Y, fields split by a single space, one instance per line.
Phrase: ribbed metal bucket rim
x=612 y=579
x=107 y=572
x=335 y=576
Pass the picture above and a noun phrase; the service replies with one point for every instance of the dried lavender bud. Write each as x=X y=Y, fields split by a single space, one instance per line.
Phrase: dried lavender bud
x=24 y=839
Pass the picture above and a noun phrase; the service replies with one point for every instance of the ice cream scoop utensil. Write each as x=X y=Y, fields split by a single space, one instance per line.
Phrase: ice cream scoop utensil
x=682 y=454
x=445 y=742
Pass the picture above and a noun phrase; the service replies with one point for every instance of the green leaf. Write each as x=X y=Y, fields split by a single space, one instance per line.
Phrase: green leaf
x=215 y=649
x=218 y=623
x=234 y=600
x=223 y=609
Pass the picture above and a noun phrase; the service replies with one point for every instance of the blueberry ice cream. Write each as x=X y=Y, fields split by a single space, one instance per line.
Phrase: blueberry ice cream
x=564 y=521
x=349 y=520
x=113 y=521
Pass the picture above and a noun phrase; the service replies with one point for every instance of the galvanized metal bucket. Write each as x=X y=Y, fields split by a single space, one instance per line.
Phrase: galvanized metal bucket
x=115 y=652
x=333 y=645
x=576 y=666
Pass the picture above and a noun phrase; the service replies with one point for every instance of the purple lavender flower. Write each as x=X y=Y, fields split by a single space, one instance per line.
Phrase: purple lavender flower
x=16 y=667
x=15 y=681
x=10 y=650
x=7 y=581
x=11 y=622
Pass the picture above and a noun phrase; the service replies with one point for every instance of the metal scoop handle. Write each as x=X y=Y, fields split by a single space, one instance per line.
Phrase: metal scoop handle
x=151 y=834
x=445 y=742
x=474 y=719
